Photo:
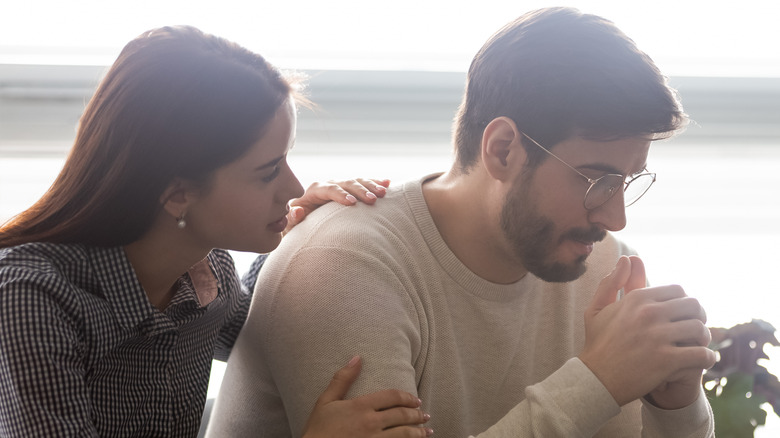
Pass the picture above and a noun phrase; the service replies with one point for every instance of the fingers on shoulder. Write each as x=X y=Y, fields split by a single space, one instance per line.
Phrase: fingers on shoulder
x=361 y=189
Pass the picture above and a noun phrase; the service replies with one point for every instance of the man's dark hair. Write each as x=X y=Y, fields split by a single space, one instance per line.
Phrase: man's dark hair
x=558 y=72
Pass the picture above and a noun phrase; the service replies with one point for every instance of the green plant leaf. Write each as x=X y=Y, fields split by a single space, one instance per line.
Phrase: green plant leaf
x=738 y=384
x=737 y=409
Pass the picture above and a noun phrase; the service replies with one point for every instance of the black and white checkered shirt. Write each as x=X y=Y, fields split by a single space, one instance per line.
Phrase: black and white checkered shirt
x=84 y=353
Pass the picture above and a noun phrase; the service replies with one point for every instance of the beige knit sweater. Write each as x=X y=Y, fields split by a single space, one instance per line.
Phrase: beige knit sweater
x=487 y=360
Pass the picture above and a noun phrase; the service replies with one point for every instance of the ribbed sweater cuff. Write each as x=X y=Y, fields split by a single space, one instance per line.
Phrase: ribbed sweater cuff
x=693 y=420
x=580 y=397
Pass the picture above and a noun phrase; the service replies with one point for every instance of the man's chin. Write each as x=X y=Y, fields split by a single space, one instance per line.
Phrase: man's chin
x=561 y=272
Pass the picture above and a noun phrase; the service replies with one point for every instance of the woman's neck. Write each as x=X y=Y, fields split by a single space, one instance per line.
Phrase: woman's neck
x=158 y=260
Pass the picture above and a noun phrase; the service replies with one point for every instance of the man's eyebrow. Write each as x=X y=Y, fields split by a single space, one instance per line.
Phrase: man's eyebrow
x=271 y=163
x=643 y=169
x=606 y=168
x=601 y=167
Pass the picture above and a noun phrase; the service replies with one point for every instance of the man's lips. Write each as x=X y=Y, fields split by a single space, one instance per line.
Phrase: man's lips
x=586 y=237
x=585 y=246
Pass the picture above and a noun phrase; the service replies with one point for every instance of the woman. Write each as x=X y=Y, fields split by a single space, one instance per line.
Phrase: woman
x=113 y=300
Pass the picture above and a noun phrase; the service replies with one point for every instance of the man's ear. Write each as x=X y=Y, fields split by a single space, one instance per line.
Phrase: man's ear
x=177 y=197
x=502 y=150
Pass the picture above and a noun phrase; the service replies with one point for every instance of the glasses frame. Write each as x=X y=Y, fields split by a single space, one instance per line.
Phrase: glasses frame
x=593 y=182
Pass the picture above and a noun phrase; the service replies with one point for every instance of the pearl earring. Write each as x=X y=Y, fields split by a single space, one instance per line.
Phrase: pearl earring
x=180 y=222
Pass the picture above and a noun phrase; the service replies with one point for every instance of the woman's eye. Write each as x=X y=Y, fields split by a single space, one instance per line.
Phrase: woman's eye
x=273 y=174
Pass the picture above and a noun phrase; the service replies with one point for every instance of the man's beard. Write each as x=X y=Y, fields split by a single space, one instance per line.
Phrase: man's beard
x=534 y=241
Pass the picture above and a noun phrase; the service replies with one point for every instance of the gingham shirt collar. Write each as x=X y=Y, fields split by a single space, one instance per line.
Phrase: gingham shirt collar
x=84 y=352
x=120 y=287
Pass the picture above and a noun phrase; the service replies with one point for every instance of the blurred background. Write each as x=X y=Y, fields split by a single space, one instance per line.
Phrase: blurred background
x=387 y=78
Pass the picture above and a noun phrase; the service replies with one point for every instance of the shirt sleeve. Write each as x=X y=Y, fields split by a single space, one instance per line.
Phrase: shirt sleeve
x=249 y=278
x=239 y=298
x=42 y=378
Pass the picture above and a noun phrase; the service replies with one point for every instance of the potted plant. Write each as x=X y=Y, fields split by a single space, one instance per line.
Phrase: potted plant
x=737 y=386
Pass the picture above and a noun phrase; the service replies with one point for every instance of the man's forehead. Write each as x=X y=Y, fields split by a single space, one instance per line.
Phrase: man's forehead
x=625 y=156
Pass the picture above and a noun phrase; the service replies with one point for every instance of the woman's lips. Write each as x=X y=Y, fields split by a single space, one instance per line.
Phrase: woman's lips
x=279 y=225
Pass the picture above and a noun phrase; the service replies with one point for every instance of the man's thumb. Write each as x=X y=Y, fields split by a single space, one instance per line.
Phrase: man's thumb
x=638 y=278
x=341 y=382
x=607 y=291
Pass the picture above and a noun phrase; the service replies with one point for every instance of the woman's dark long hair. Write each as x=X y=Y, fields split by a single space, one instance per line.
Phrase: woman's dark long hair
x=176 y=103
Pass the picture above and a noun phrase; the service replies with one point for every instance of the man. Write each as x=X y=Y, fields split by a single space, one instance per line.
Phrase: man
x=468 y=288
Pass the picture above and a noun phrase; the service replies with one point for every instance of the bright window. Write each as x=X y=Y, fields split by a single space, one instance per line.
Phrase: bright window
x=710 y=223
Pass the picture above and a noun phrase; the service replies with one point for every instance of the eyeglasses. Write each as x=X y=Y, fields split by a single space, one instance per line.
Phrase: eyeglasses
x=604 y=188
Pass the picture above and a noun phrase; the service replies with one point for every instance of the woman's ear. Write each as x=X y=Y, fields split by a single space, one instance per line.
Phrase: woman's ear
x=177 y=197
x=503 y=154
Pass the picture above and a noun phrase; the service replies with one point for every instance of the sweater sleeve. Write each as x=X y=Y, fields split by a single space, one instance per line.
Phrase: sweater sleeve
x=695 y=420
x=573 y=402
x=309 y=320
x=570 y=402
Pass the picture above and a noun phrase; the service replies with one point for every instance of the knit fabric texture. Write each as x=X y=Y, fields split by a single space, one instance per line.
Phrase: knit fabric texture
x=487 y=360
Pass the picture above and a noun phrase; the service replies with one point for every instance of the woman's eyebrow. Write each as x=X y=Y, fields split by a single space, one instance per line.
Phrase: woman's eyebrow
x=271 y=163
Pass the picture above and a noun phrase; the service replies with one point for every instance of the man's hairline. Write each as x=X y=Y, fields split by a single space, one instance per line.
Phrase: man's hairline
x=650 y=137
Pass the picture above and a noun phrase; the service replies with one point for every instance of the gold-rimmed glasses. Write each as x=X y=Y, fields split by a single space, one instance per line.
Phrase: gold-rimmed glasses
x=602 y=189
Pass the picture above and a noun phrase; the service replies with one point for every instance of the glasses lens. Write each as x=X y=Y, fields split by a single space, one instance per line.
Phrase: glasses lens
x=638 y=187
x=602 y=190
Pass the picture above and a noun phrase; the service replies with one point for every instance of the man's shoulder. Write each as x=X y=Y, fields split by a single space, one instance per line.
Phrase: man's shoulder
x=338 y=245
x=390 y=218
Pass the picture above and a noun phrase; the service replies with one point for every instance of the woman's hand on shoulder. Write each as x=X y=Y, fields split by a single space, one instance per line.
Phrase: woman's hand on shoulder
x=385 y=414
x=346 y=192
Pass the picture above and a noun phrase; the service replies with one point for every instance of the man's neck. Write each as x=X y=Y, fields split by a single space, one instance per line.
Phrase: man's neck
x=466 y=210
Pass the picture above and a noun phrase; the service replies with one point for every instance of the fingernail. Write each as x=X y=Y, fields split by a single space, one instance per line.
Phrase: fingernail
x=294 y=212
x=352 y=362
x=370 y=195
x=426 y=416
x=351 y=199
x=419 y=402
x=381 y=188
x=428 y=431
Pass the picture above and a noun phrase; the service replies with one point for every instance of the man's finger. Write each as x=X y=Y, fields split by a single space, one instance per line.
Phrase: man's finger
x=638 y=278
x=607 y=291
